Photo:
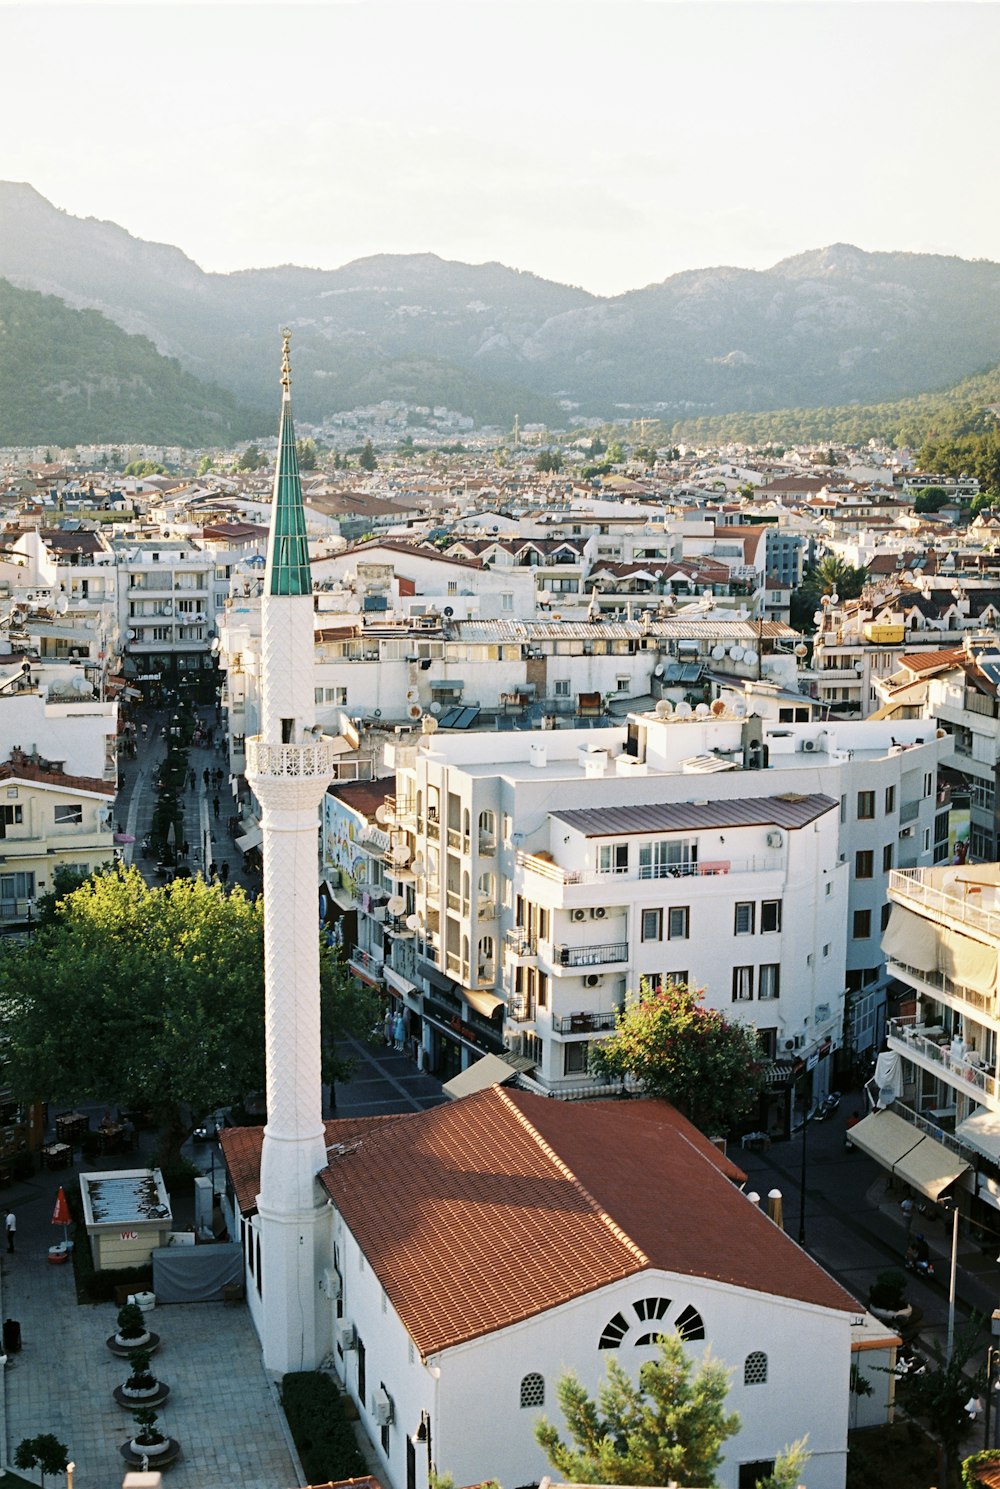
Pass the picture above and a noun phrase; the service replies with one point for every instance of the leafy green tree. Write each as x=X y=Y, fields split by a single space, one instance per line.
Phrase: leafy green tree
x=646 y=454
x=44 y=1452
x=251 y=459
x=154 y=998
x=205 y=464
x=142 y=468
x=675 y=1047
x=615 y=452
x=788 y=1467
x=367 y=460
x=670 y=1427
x=937 y=1397
x=549 y=461
x=305 y=449
x=931 y=499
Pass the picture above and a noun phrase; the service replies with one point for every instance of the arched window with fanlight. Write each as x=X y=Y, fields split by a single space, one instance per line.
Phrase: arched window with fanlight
x=632 y=1326
x=533 y=1390
x=755 y=1368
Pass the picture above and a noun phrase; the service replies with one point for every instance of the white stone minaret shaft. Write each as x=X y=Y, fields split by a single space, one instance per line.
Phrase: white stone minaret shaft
x=289 y=769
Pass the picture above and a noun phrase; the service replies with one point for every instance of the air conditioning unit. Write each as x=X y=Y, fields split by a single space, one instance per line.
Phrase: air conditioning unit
x=822 y=1012
x=809 y=746
x=592 y=979
x=382 y=1407
x=598 y=912
x=578 y=915
x=906 y=832
x=330 y=1283
x=774 y=840
x=347 y=1336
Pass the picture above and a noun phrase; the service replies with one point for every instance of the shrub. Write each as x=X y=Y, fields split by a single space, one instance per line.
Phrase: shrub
x=323 y=1436
x=131 y=1321
x=888 y=1291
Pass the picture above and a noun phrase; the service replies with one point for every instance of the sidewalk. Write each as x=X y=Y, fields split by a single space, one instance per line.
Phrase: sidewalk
x=223 y=1408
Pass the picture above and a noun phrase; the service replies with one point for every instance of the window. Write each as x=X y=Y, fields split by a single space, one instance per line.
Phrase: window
x=562 y=687
x=864 y=864
x=768 y=981
x=890 y=799
x=770 y=916
x=751 y=1474
x=652 y=925
x=744 y=918
x=929 y=783
x=668 y=858
x=678 y=923
x=622 y=684
x=506 y=600
x=866 y=805
x=533 y=1390
x=755 y=1369
x=575 y=1058
x=862 y=924
x=68 y=815
x=10 y=816
x=453 y=586
x=612 y=858
x=742 y=984
x=887 y=858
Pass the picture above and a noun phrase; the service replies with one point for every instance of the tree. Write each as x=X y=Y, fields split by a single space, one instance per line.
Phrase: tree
x=152 y=998
x=44 y=1452
x=615 y=454
x=367 y=460
x=305 y=449
x=142 y=468
x=251 y=459
x=931 y=499
x=711 y=1070
x=937 y=1396
x=671 y=1426
x=549 y=461
x=205 y=464
x=788 y=1467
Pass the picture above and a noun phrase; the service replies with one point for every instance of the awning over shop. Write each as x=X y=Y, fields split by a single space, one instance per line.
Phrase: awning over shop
x=489 y=1071
x=908 y=1153
x=484 y=1003
x=251 y=839
x=982 y=1132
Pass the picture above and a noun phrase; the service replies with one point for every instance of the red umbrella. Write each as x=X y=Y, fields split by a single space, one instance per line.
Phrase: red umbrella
x=61 y=1215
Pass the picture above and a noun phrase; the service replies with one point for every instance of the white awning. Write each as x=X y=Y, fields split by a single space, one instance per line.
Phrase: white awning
x=484 y=1003
x=982 y=1132
x=908 y=1153
x=250 y=839
x=489 y=1071
x=920 y=943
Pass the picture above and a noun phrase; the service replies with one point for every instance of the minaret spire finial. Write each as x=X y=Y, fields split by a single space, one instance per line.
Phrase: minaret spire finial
x=286 y=361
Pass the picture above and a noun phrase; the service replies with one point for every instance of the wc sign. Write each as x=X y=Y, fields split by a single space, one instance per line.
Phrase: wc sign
x=130 y=1235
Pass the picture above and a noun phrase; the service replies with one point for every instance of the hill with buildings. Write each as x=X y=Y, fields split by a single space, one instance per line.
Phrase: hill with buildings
x=836 y=326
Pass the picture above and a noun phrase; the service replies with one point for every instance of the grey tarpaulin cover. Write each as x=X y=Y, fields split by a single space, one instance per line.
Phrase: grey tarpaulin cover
x=195 y=1274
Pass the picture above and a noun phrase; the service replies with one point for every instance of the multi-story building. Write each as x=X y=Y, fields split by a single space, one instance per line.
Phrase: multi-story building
x=165 y=589
x=532 y=883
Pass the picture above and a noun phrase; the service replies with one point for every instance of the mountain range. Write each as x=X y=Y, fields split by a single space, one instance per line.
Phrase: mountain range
x=835 y=326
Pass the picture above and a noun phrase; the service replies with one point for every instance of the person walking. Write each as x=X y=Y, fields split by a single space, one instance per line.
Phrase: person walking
x=216 y=804
x=224 y=871
x=191 y=779
x=206 y=777
x=11 y=1225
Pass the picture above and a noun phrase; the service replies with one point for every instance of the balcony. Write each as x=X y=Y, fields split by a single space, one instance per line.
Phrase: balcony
x=950 y=893
x=954 y=993
x=486 y=909
x=553 y=873
x=584 y=1023
x=591 y=956
x=433 y=828
x=520 y=1010
x=520 y=946
x=932 y=1050
x=487 y=845
x=458 y=840
x=366 y=966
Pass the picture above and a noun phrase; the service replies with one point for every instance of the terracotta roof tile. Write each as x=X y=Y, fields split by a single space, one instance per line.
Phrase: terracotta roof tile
x=506 y=1204
x=241 y=1150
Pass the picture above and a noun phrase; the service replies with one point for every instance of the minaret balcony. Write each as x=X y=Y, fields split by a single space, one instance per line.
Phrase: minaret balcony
x=315 y=760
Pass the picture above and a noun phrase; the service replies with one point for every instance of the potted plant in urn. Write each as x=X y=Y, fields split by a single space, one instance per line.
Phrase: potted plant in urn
x=132 y=1333
x=149 y=1448
x=142 y=1387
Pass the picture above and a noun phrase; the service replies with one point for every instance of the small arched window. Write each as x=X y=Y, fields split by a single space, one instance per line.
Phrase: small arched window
x=533 y=1390
x=755 y=1369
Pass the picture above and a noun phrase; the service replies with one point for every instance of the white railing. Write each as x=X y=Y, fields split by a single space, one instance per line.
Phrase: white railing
x=909 y=884
x=958 y=1069
x=293 y=762
x=545 y=869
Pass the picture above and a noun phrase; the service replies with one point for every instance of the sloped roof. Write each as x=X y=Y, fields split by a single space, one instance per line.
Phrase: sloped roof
x=242 y=1146
x=503 y=1205
x=790 y=811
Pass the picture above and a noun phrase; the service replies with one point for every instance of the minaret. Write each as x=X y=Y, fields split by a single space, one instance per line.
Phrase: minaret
x=289 y=768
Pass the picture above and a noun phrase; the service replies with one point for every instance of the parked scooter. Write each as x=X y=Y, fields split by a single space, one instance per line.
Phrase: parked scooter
x=827 y=1107
x=918 y=1259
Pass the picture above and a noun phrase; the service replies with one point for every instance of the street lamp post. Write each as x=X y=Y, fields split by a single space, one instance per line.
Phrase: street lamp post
x=802 y=1174
x=992 y=1385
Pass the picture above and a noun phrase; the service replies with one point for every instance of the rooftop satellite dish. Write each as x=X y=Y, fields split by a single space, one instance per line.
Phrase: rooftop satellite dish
x=750 y=657
x=430 y=724
x=718 y=708
x=80 y=684
x=740 y=709
x=62 y=605
x=818 y=618
x=130 y=635
x=216 y=643
x=382 y=814
x=658 y=670
x=353 y=606
x=400 y=855
x=418 y=863
x=396 y=905
x=435 y=707
x=664 y=708
x=802 y=650
x=683 y=710
x=412 y=922
x=701 y=710
x=718 y=652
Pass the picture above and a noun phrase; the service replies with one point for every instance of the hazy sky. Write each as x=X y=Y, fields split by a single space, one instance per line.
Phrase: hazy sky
x=604 y=144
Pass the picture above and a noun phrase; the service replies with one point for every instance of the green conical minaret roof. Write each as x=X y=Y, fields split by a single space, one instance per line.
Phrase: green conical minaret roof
x=287 y=570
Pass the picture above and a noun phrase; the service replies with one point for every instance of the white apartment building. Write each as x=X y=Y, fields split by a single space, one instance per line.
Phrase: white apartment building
x=165 y=589
x=531 y=882
x=943 y=940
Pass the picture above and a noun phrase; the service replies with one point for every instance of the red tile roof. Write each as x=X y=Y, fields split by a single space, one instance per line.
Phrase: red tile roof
x=241 y=1150
x=505 y=1205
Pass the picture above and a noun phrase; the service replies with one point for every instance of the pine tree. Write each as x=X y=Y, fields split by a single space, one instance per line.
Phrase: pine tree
x=671 y=1426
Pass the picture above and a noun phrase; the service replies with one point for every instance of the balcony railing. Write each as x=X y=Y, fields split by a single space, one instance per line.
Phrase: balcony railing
x=487 y=845
x=520 y=1010
x=366 y=962
x=909 y=885
x=521 y=943
x=961 y=1069
x=546 y=869
x=985 y=1003
x=584 y=1023
x=457 y=839
x=591 y=956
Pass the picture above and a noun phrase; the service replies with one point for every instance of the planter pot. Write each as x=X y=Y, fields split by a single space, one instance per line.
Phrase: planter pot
x=150 y=1449
x=124 y=1347
x=60 y=1254
x=157 y=1455
x=155 y=1396
x=136 y=1341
